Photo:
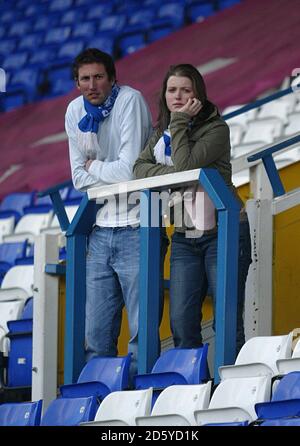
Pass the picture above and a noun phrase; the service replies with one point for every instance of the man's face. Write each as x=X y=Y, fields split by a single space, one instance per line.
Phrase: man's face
x=93 y=83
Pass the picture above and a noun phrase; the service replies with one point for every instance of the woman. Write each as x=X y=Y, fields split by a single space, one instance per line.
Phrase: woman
x=193 y=135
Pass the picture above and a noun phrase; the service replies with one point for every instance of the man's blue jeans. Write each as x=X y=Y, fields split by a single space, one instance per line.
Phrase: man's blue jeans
x=112 y=281
x=193 y=273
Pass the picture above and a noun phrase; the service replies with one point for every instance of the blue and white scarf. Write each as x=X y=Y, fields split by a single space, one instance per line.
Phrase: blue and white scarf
x=88 y=126
x=162 y=149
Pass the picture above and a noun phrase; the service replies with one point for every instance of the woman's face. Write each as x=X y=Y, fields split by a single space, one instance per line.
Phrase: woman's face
x=179 y=90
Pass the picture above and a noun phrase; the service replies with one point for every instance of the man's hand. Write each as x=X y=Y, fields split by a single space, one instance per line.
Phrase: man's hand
x=192 y=107
x=88 y=164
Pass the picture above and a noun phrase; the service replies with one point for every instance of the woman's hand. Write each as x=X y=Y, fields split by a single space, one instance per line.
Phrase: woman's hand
x=192 y=107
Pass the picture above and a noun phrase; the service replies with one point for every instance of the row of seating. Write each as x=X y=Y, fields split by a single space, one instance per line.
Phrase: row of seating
x=25 y=212
x=243 y=398
x=258 y=127
x=61 y=32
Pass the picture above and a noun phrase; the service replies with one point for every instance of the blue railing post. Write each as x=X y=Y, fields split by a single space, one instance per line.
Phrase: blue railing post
x=80 y=227
x=148 y=340
x=266 y=155
x=227 y=267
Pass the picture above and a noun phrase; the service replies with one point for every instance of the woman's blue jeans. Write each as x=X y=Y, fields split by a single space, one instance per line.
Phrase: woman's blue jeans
x=193 y=273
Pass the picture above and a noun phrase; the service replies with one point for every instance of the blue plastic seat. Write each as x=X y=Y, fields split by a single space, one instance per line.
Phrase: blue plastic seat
x=99 y=11
x=13 y=204
x=15 y=61
x=99 y=377
x=27 y=79
x=58 y=35
x=84 y=29
x=21 y=414
x=131 y=43
x=285 y=401
x=70 y=411
x=9 y=254
x=7 y=46
x=30 y=42
x=176 y=366
x=282 y=422
x=19 y=367
x=19 y=28
x=60 y=5
x=104 y=42
x=70 y=49
x=12 y=100
x=233 y=423
x=113 y=24
x=173 y=11
x=198 y=12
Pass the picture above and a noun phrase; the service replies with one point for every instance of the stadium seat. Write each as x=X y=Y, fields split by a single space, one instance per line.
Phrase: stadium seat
x=19 y=366
x=69 y=411
x=264 y=130
x=279 y=108
x=176 y=366
x=29 y=226
x=9 y=253
x=13 y=204
x=198 y=12
x=258 y=356
x=236 y=133
x=113 y=24
x=285 y=401
x=17 y=283
x=99 y=377
x=173 y=11
x=21 y=414
x=122 y=408
x=282 y=422
x=292 y=124
x=234 y=399
x=6 y=226
x=130 y=43
x=241 y=119
x=175 y=406
x=290 y=364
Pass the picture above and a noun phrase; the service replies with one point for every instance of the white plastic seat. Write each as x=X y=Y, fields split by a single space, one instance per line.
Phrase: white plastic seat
x=263 y=130
x=258 y=357
x=6 y=227
x=9 y=311
x=122 y=408
x=279 y=108
x=236 y=133
x=234 y=400
x=244 y=149
x=292 y=364
x=239 y=119
x=176 y=405
x=293 y=125
x=17 y=283
x=29 y=226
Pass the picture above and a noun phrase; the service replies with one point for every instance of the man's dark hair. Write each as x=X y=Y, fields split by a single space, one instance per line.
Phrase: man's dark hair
x=93 y=55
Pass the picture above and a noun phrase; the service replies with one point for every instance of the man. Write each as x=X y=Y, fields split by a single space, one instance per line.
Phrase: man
x=107 y=127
